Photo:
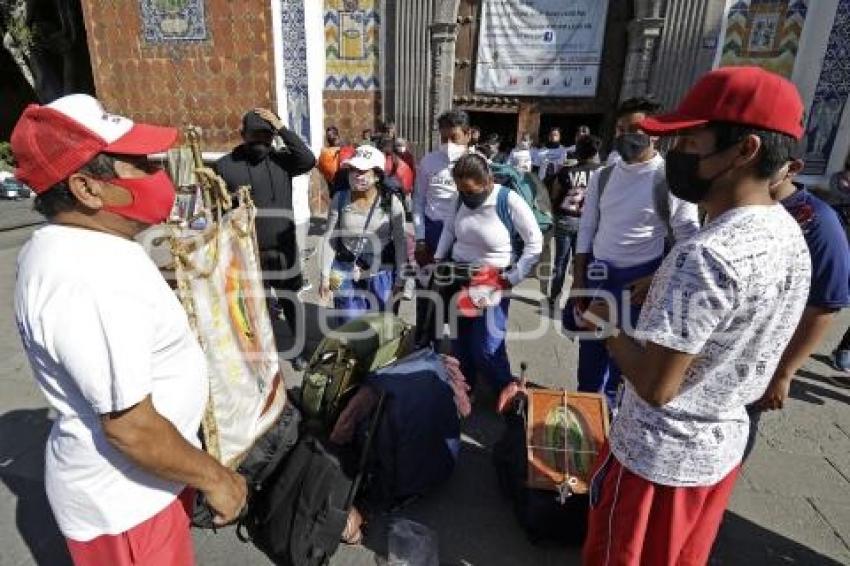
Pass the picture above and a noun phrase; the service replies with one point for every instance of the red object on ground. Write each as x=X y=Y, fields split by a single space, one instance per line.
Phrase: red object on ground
x=638 y=522
x=162 y=539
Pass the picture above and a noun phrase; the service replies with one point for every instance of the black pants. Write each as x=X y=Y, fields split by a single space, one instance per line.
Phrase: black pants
x=282 y=272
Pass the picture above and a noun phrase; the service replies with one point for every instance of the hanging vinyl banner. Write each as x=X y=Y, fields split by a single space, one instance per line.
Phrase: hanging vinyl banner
x=540 y=47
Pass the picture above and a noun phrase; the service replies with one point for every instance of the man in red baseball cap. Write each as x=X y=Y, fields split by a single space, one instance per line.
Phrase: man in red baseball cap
x=109 y=343
x=718 y=316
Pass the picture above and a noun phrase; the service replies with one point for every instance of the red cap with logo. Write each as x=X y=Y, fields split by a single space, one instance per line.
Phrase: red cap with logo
x=749 y=96
x=52 y=142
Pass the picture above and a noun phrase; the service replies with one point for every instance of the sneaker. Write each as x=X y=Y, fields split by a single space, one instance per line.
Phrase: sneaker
x=841 y=360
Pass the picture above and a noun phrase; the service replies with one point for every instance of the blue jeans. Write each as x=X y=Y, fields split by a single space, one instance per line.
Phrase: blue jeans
x=597 y=372
x=356 y=298
x=480 y=346
x=565 y=243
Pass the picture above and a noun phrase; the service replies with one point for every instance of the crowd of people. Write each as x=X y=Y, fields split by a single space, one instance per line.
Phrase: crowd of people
x=702 y=279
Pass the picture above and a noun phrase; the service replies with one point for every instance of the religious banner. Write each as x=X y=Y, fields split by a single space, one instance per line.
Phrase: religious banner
x=212 y=261
x=540 y=47
x=220 y=284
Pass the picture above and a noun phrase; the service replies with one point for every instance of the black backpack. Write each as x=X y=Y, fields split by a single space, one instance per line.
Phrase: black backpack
x=300 y=494
x=297 y=516
x=541 y=513
x=265 y=456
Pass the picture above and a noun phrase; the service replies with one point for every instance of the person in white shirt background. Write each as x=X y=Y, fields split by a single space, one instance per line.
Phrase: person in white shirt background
x=481 y=231
x=522 y=157
x=621 y=238
x=109 y=343
x=551 y=157
x=435 y=194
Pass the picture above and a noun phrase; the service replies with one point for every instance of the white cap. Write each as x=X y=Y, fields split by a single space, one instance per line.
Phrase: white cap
x=366 y=157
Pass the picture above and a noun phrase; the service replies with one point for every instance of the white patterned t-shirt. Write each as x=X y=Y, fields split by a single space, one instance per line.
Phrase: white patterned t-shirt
x=732 y=295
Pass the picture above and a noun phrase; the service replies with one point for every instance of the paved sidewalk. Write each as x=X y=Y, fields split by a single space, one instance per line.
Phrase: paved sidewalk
x=792 y=505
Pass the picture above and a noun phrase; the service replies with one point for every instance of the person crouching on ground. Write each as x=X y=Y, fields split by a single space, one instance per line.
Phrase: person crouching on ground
x=109 y=343
x=488 y=222
x=365 y=247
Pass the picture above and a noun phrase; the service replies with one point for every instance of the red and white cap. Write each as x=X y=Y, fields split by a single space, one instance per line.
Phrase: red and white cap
x=53 y=141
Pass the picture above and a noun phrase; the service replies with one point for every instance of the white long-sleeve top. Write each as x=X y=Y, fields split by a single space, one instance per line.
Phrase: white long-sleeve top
x=479 y=236
x=434 y=192
x=629 y=231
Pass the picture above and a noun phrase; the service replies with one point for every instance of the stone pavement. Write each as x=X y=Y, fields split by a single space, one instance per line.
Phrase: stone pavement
x=792 y=505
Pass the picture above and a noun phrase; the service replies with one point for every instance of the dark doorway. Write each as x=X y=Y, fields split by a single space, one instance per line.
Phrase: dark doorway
x=502 y=123
x=569 y=124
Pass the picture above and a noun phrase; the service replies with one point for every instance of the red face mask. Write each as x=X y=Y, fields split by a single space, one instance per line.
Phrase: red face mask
x=153 y=198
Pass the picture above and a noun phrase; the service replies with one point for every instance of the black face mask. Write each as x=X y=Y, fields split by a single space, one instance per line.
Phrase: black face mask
x=553 y=145
x=473 y=200
x=257 y=151
x=682 y=170
x=631 y=145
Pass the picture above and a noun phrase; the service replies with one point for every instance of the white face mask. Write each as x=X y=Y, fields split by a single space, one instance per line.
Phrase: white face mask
x=360 y=181
x=524 y=144
x=453 y=150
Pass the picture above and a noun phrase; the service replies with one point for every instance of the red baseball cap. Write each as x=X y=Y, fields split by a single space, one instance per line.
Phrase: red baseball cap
x=749 y=96
x=53 y=141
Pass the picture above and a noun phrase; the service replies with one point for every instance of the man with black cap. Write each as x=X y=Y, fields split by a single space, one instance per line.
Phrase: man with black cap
x=269 y=173
x=721 y=310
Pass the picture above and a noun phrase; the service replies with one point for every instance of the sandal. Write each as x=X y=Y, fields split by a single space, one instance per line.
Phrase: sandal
x=353 y=534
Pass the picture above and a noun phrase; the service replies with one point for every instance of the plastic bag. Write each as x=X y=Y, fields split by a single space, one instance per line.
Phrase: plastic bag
x=412 y=544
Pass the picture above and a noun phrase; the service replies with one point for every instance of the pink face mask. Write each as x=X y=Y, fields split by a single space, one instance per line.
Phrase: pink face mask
x=153 y=198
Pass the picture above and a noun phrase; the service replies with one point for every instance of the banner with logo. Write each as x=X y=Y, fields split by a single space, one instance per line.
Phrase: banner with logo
x=540 y=47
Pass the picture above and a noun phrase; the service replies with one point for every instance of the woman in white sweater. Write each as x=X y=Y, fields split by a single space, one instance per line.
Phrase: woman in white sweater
x=495 y=229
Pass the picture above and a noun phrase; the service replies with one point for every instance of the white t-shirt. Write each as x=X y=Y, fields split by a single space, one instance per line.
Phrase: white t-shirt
x=301 y=199
x=732 y=295
x=434 y=192
x=102 y=331
x=630 y=231
x=480 y=236
x=550 y=160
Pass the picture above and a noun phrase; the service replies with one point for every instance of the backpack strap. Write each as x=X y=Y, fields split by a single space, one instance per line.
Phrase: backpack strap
x=504 y=211
x=343 y=201
x=604 y=176
x=661 y=200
